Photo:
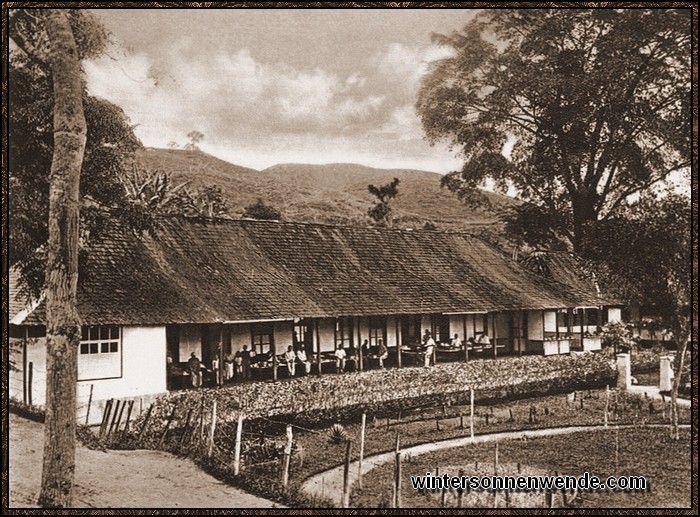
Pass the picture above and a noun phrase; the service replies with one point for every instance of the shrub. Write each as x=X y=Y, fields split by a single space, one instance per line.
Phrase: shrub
x=337 y=434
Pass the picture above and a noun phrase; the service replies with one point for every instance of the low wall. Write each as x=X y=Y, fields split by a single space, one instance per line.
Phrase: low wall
x=319 y=399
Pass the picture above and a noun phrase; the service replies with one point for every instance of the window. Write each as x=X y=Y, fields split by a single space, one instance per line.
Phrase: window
x=377 y=329
x=100 y=356
x=562 y=318
x=343 y=332
x=261 y=338
x=441 y=328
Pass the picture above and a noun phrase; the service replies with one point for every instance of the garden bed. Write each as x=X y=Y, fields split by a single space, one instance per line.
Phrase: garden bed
x=666 y=466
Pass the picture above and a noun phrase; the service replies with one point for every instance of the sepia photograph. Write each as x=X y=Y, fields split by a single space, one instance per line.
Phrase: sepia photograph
x=384 y=256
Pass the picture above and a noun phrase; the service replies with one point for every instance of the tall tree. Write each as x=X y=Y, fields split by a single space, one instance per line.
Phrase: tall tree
x=380 y=213
x=591 y=105
x=47 y=36
x=645 y=254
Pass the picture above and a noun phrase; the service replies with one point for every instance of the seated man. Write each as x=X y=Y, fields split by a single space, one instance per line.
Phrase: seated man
x=484 y=340
x=340 y=357
x=290 y=359
x=382 y=352
x=301 y=356
x=456 y=342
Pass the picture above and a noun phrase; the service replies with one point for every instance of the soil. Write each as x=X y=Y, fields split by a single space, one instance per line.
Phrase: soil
x=119 y=479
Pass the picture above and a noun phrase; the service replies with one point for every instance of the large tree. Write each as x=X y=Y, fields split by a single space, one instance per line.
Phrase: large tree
x=594 y=102
x=54 y=40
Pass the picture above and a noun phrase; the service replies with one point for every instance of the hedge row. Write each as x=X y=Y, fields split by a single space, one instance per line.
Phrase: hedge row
x=317 y=400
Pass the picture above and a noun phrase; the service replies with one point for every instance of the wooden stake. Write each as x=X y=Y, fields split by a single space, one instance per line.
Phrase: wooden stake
x=346 y=475
x=287 y=455
x=186 y=427
x=114 y=418
x=471 y=417
x=362 y=450
x=212 y=429
x=87 y=415
x=128 y=415
x=105 y=416
x=119 y=419
x=397 y=475
x=460 y=490
x=30 y=382
x=167 y=426
x=607 y=403
x=495 y=473
x=237 y=445
x=145 y=422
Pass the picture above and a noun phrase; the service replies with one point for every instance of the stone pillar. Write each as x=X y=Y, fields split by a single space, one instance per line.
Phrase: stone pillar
x=624 y=371
x=666 y=374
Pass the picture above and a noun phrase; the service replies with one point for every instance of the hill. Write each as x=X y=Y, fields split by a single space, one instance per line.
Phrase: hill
x=333 y=193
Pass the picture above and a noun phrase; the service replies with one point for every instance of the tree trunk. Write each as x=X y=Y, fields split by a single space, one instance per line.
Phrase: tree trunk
x=63 y=326
x=584 y=213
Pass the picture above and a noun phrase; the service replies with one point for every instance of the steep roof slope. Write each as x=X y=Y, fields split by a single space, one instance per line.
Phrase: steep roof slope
x=197 y=271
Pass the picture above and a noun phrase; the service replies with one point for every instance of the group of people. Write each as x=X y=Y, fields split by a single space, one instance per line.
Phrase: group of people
x=238 y=365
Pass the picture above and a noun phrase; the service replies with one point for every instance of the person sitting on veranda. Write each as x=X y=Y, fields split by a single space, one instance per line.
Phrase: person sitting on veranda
x=340 y=358
x=456 y=342
x=429 y=347
x=484 y=340
x=301 y=356
x=382 y=352
x=290 y=359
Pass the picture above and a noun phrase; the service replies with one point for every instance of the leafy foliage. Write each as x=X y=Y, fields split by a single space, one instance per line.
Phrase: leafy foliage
x=260 y=210
x=593 y=105
x=380 y=213
x=108 y=155
x=337 y=433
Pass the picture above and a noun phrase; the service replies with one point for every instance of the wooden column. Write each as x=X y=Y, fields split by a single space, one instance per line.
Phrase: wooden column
x=464 y=337
x=495 y=335
x=398 y=340
x=359 y=335
x=273 y=349
x=318 y=346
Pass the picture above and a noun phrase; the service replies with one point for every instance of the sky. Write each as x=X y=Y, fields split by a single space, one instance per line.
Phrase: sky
x=268 y=86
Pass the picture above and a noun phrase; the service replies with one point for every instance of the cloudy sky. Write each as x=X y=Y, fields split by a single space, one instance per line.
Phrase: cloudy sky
x=274 y=86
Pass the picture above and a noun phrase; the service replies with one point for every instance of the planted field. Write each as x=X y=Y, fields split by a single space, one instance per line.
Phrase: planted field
x=648 y=452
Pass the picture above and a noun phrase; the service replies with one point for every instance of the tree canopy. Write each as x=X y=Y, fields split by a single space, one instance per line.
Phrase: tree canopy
x=576 y=108
x=380 y=213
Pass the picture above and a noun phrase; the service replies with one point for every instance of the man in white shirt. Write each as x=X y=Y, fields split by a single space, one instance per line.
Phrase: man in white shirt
x=456 y=342
x=429 y=344
x=301 y=355
x=290 y=358
x=340 y=357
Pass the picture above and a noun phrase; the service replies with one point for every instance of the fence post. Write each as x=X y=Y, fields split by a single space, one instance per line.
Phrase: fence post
x=362 y=450
x=87 y=415
x=167 y=426
x=105 y=416
x=237 y=446
x=212 y=429
x=346 y=475
x=128 y=415
x=607 y=402
x=114 y=418
x=471 y=417
x=30 y=382
x=460 y=490
x=397 y=475
x=145 y=422
x=287 y=454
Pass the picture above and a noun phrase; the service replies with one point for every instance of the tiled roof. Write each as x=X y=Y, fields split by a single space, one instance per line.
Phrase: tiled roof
x=244 y=270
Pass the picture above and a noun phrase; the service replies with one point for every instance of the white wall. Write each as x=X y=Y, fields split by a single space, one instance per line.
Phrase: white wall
x=36 y=354
x=143 y=368
x=391 y=337
x=534 y=325
x=614 y=314
x=457 y=326
x=326 y=332
x=550 y=321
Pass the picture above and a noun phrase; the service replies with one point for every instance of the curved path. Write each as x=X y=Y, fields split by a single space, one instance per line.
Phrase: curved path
x=330 y=483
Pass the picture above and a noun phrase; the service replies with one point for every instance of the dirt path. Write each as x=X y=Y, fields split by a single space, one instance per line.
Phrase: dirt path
x=330 y=483
x=120 y=479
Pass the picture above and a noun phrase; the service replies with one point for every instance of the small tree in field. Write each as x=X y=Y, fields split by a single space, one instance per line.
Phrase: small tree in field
x=262 y=211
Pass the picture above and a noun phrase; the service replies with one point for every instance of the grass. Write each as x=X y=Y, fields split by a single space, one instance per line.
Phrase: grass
x=648 y=452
